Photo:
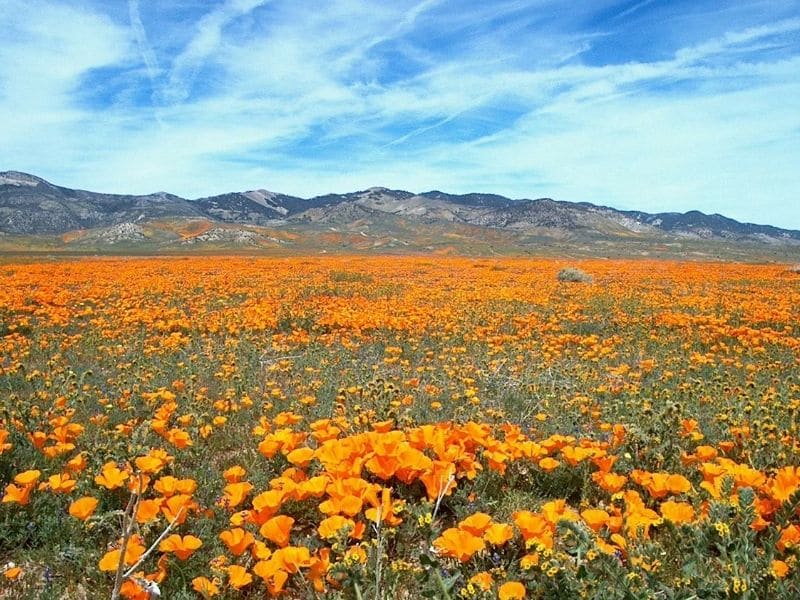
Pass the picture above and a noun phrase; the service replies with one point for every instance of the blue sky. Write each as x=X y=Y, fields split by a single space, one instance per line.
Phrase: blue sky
x=644 y=104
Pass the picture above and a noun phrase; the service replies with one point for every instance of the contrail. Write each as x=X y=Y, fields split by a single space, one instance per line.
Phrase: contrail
x=148 y=56
x=146 y=50
x=633 y=9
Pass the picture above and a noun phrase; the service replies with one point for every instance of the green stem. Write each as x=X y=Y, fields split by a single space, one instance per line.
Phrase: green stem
x=440 y=581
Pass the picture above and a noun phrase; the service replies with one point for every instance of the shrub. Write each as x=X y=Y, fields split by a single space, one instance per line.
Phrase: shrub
x=573 y=274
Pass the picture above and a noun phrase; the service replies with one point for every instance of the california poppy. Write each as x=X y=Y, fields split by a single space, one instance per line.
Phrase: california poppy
x=237 y=540
x=83 y=508
x=459 y=544
x=182 y=547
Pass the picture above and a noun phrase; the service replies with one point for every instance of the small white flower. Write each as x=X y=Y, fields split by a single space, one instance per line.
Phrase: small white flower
x=151 y=587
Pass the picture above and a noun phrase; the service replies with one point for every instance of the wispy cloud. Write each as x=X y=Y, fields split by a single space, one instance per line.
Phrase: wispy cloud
x=521 y=98
x=146 y=51
x=46 y=51
x=205 y=42
x=742 y=41
x=148 y=55
x=632 y=9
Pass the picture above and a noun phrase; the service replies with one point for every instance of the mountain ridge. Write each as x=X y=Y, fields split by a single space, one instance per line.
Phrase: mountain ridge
x=32 y=206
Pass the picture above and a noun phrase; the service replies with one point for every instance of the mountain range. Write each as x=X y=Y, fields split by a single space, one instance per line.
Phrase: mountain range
x=36 y=214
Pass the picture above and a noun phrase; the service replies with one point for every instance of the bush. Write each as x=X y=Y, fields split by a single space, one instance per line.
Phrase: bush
x=573 y=274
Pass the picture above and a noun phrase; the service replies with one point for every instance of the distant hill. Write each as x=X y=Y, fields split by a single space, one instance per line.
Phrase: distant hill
x=37 y=214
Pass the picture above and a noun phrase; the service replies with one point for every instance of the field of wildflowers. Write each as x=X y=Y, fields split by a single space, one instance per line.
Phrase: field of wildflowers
x=398 y=428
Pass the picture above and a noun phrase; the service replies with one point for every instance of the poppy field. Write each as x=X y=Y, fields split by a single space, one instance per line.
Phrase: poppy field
x=398 y=427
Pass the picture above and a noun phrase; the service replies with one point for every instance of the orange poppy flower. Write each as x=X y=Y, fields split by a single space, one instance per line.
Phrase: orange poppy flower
x=287 y=418
x=38 y=438
x=595 y=518
x=134 y=550
x=234 y=474
x=61 y=483
x=440 y=479
x=260 y=551
x=266 y=568
x=790 y=537
x=148 y=509
x=238 y=577
x=785 y=483
x=496 y=460
x=348 y=505
x=557 y=510
x=677 y=512
x=746 y=476
x=4 y=445
x=779 y=569
x=511 y=590
x=138 y=484
x=278 y=530
x=476 y=524
x=498 y=534
x=83 y=508
x=483 y=581
x=182 y=547
x=17 y=494
x=690 y=428
x=237 y=540
x=575 y=455
x=300 y=457
x=235 y=493
x=638 y=518
x=273 y=574
x=178 y=507
x=458 y=544
x=169 y=486
x=267 y=504
x=616 y=545
x=315 y=486
x=535 y=528
x=604 y=462
x=385 y=509
x=331 y=526
x=293 y=558
x=610 y=482
x=205 y=587
x=661 y=484
x=149 y=464
x=548 y=464
x=27 y=477
x=705 y=453
x=178 y=438
x=111 y=476
x=77 y=464
x=320 y=565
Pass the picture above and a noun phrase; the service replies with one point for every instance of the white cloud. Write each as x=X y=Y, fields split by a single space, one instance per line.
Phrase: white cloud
x=148 y=54
x=205 y=42
x=47 y=49
x=355 y=95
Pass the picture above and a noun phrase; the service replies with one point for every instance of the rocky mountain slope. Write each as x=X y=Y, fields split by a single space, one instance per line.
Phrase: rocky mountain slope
x=31 y=206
